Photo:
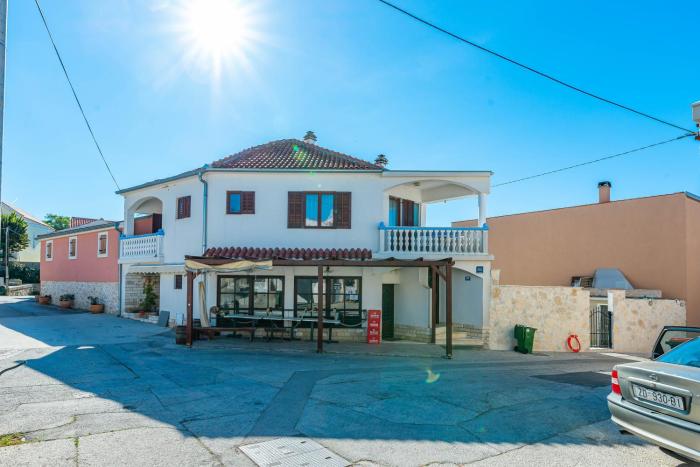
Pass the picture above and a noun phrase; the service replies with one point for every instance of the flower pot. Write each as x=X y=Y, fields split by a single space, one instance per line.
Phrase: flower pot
x=99 y=308
x=44 y=300
x=65 y=304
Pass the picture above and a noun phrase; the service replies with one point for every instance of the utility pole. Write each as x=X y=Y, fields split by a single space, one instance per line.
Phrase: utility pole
x=3 y=37
x=7 y=257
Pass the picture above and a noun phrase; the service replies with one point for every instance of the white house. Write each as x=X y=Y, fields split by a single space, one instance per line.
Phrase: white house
x=281 y=214
x=35 y=226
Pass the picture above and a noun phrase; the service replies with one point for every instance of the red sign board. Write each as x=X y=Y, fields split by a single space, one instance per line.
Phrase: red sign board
x=374 y=326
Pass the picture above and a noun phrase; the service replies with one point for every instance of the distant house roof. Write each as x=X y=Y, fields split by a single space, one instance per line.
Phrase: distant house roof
x=93 y=225
x=78 y=221
x=24 y=214
x=292 y=154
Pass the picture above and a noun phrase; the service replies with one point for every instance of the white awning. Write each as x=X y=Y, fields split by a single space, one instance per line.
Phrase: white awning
x=158 y=269
x=233 y=266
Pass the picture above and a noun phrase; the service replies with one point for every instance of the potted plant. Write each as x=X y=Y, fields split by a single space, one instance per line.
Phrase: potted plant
x=148 y=303
x=44 y=299
x=95 y=305
x=66 y=300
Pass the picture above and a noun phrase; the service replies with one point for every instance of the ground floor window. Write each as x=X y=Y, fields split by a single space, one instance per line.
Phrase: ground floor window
x=342 y=298
x=250 y=294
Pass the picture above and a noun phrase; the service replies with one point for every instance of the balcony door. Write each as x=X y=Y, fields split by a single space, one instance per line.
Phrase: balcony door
x=403 y=212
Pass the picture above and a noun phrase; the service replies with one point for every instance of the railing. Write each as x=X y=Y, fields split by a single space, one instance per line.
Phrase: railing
x=141 y=247
x=433 y=240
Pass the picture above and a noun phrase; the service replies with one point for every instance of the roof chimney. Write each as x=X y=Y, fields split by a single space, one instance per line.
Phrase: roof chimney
x=310 y=137
x=604 y=192
x=381 y=161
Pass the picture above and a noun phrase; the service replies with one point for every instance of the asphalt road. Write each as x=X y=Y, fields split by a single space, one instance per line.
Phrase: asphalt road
x=85 y=389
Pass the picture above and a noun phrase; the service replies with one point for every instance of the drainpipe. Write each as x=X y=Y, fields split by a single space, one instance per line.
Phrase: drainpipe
x=205 y=202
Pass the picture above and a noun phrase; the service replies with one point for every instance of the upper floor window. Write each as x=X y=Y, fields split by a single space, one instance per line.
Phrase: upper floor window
x=48 y=254
x=72 y=247
x=178 y=281
x=319 y=210
x=403 y=212
x=183 y=207
x=102 y=239
x=240 y=202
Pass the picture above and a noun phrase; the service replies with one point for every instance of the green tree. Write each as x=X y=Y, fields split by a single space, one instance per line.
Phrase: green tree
x=57 y=221
x=19 y=240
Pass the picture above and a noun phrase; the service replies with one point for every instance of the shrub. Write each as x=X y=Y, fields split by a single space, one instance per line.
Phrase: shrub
x=67 y=296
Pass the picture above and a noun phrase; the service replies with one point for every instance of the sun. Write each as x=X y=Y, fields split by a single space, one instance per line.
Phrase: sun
x=217 y=35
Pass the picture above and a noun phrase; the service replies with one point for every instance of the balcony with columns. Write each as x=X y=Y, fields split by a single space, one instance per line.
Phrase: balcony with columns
x=404 y=234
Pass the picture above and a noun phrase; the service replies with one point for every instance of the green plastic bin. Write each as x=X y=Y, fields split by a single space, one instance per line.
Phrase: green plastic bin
x=525 y=337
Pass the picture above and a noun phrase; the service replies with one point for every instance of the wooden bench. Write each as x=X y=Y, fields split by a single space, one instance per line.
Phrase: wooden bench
x=211 y=332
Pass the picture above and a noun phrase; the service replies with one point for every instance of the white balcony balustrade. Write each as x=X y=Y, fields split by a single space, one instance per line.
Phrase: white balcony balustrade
x=147 y=247
x=447 y=241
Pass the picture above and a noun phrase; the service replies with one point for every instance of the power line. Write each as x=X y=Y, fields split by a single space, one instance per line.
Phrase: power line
x=75 y=95
x=529 y=68
x=562 y=169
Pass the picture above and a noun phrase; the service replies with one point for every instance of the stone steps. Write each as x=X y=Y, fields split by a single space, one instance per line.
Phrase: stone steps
x=460 y=338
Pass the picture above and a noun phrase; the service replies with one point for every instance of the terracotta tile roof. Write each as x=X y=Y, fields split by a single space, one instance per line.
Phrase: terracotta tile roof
x=78 y=221
x=289 y=253
x=292 y=154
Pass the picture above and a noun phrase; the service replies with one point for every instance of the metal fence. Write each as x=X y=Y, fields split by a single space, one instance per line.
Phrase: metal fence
x=601 y=327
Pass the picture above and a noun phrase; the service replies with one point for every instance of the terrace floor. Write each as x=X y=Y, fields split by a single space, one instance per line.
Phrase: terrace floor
x=81 y=389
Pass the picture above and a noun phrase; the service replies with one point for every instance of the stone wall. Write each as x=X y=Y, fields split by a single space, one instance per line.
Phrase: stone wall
x=412 y=333
x=133 y=289
x=107 y=292
x=638 y=321
x=556 y=312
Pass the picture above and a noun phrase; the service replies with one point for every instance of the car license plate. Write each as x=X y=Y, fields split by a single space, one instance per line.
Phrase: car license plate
x=658 y=397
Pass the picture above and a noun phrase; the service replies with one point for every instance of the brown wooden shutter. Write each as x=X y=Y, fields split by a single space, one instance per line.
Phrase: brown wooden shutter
x=248 y=202
x=183 y=207
x=295 y=210
x=343 y=210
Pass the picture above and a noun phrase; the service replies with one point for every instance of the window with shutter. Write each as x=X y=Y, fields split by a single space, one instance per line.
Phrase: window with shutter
x=240 y=202
x=343 y=210
x=183 y=207
x=295 y=209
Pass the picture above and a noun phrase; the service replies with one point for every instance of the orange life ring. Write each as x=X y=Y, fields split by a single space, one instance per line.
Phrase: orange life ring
x=578 y=343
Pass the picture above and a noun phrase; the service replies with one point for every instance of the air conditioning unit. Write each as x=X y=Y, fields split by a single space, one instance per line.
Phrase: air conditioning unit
x=696 y=111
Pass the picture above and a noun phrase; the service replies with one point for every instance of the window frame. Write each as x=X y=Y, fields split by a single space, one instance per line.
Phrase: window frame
x=177 y=282
x=319 y=209
x=106 y=237
x=70 y=239
x=48 y=246
x=327 y=293
x=180 y=213
x=251 y=293
x=241 y=195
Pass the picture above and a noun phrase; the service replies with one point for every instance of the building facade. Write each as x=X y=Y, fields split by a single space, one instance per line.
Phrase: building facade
x=82 y=261
x=35 y=227
x=654 y=241
x=292 y=201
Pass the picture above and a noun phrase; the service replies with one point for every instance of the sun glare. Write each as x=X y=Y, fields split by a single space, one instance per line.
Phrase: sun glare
x=218 y=35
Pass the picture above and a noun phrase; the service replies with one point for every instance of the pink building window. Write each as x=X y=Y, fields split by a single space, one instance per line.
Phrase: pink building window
x=72 y=247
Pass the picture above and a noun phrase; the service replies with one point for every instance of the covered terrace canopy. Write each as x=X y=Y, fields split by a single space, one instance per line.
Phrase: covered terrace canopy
x=237 y=258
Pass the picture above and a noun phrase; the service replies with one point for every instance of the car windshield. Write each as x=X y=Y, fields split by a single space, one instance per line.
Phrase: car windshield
x=687 y=353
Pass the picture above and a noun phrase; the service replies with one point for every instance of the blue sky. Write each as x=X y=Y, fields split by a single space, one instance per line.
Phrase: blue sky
x=367 y=80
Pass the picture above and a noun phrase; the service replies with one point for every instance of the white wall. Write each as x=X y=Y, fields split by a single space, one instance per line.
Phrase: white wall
x=412 y=298
x=268 y=226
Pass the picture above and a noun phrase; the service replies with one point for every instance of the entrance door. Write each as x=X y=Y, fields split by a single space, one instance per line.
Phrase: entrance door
x=601 y=329
x=387 y=311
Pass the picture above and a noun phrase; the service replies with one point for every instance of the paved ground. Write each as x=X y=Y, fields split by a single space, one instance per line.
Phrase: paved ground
x=99 y=390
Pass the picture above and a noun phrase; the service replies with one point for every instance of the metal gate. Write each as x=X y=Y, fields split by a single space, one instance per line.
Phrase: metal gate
x=601 y=329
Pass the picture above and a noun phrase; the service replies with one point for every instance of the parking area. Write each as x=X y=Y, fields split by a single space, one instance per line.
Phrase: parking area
x=81 y=389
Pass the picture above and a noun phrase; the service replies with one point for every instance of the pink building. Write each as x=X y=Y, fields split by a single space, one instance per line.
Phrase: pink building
x=83 y=261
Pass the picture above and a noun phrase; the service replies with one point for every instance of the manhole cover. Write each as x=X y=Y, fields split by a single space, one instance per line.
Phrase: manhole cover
x=292 y=452
x=589 y=379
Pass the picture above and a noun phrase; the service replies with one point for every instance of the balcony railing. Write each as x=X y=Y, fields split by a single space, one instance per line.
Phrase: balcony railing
x=449 y=241
x=147 y=247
